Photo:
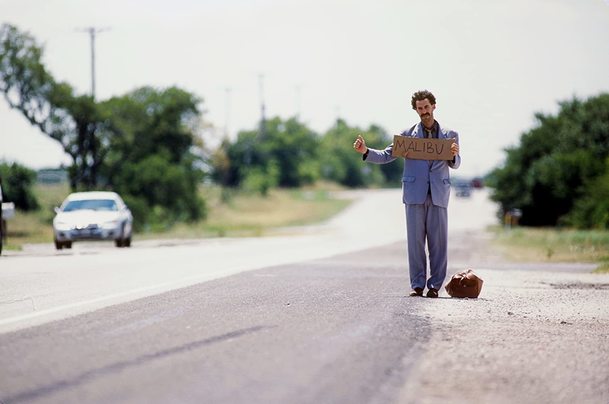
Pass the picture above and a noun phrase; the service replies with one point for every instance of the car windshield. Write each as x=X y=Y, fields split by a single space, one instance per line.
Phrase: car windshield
x=91 y=204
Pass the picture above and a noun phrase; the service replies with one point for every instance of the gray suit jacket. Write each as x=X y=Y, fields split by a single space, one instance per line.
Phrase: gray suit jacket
x=422 y=175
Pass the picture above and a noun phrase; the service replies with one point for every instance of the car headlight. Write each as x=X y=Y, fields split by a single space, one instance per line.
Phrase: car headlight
x=64 y=226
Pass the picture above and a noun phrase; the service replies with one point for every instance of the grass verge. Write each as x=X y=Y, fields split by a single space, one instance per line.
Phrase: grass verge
x=233 y=213
x=556 y=245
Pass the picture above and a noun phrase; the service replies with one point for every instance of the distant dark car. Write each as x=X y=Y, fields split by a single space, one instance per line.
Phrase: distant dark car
x=463 y=190
x=477 y=183
x=92 y=216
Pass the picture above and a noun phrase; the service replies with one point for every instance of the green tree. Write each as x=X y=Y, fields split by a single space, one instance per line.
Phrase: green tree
x=154 y=158
x=17 y=182
x=142 y=145
x=73 y=121
x=293 y=148
x=285 y=155
x=223 y=171
x=340 y=163
x=554 y=168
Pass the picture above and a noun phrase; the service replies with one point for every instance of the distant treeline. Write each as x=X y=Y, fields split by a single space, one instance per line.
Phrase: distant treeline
x=286 y=153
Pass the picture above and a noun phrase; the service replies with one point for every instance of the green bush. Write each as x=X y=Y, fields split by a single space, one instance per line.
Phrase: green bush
x=261 y=181
x=593 y=210
x=17 y=183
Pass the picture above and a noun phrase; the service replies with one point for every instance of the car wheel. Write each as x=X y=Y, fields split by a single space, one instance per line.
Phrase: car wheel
x=58 y=245
x=124 y=241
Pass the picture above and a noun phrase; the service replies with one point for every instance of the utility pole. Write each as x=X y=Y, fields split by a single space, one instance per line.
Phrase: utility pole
x=262 y=106
x=337 y=112
x=92 y=31
x=298 y=106
x=227 y=92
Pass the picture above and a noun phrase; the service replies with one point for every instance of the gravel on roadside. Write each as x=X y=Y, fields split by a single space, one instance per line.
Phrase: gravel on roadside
x=533 y=336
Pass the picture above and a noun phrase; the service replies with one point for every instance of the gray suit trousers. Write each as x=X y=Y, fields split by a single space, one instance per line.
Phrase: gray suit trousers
x=427 y=222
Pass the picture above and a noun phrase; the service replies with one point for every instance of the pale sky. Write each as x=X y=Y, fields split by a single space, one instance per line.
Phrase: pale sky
x=491 y=64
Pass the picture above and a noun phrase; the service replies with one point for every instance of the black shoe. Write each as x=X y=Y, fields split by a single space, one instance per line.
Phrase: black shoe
x=417 y=292
x=432 y=293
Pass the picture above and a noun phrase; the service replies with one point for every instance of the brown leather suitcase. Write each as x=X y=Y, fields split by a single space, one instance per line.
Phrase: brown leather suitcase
x=464 y=284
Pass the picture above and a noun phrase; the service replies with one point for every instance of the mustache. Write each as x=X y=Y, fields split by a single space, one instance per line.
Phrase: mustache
x=425 y=114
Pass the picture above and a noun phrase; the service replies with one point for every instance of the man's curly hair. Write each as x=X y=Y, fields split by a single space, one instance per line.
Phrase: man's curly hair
x=420 y=96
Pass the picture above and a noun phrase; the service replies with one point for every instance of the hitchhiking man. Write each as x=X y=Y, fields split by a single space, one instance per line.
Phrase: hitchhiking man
x=425 y=190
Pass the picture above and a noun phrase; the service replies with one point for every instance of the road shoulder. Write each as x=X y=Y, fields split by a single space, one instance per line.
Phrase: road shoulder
x=537 y=334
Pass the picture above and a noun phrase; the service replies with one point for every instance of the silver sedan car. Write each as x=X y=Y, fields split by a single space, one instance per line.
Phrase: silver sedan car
x=92 y=216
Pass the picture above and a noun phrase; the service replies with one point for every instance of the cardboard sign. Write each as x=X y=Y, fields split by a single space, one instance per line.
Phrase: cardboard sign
x=422 y=149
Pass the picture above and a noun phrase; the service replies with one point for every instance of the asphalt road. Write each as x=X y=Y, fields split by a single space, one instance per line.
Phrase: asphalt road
x=333 y=325
x=41 y=284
